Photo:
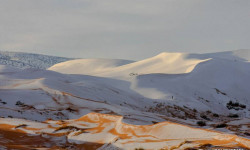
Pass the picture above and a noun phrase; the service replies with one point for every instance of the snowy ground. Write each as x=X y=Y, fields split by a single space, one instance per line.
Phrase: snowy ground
x=179 y=88
x=109 y=132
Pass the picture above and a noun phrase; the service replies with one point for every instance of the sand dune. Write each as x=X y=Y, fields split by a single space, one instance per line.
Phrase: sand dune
x=109 y=131
x=110 y=103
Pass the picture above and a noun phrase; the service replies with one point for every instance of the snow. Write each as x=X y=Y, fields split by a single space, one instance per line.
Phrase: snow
x=28 y=60
x=91 y=66
x=172 y=63
x=169 y=86
x=184 y=77
x=103 y=129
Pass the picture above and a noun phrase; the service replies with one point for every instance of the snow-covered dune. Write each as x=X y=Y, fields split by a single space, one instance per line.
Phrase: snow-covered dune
x=241 y=55
x=171 y=63
x=210 y=86
x=47 y=94
x=167 y=63
x=192 y=90
x=199 y=81
x=88 y=66
x=109 y=132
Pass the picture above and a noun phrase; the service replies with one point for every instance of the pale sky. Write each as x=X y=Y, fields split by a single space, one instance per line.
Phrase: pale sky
x=127 y=29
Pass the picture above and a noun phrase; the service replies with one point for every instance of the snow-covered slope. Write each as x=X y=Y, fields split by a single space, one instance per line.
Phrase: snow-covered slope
x=28 y=60
x=241 y=55
x=109 y=132
x=69 y=95
x=91 y=66
x=166 y=63
x=175 y=87
x=172 y=63
x=199 y=81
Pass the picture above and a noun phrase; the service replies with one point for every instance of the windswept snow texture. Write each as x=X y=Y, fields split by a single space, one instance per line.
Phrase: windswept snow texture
x=28 y=60
x=115 y=103
x=109 y=132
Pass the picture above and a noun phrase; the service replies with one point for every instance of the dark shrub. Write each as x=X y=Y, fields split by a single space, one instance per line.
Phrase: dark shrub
x=233 y=115
x=205 y=117
x=208 y=111
x=242 y=106
x=19 y=103
x=154 y=122
x=215 y=115
x=223 y=125
x=247 y=133
x=235 y=105
x=206 y=146
x=201 y=123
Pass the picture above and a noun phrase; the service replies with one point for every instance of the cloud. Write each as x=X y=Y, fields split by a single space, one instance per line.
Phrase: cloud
x=130 y=29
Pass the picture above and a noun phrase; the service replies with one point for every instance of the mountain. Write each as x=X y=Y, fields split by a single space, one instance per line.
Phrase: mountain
x=28 y=60
x=172 y=100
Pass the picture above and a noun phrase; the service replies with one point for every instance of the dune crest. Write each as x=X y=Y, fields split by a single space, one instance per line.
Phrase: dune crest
x=168 y=63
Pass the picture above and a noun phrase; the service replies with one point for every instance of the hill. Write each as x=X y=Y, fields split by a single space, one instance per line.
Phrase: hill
x=29 y=60
x=172 y=100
